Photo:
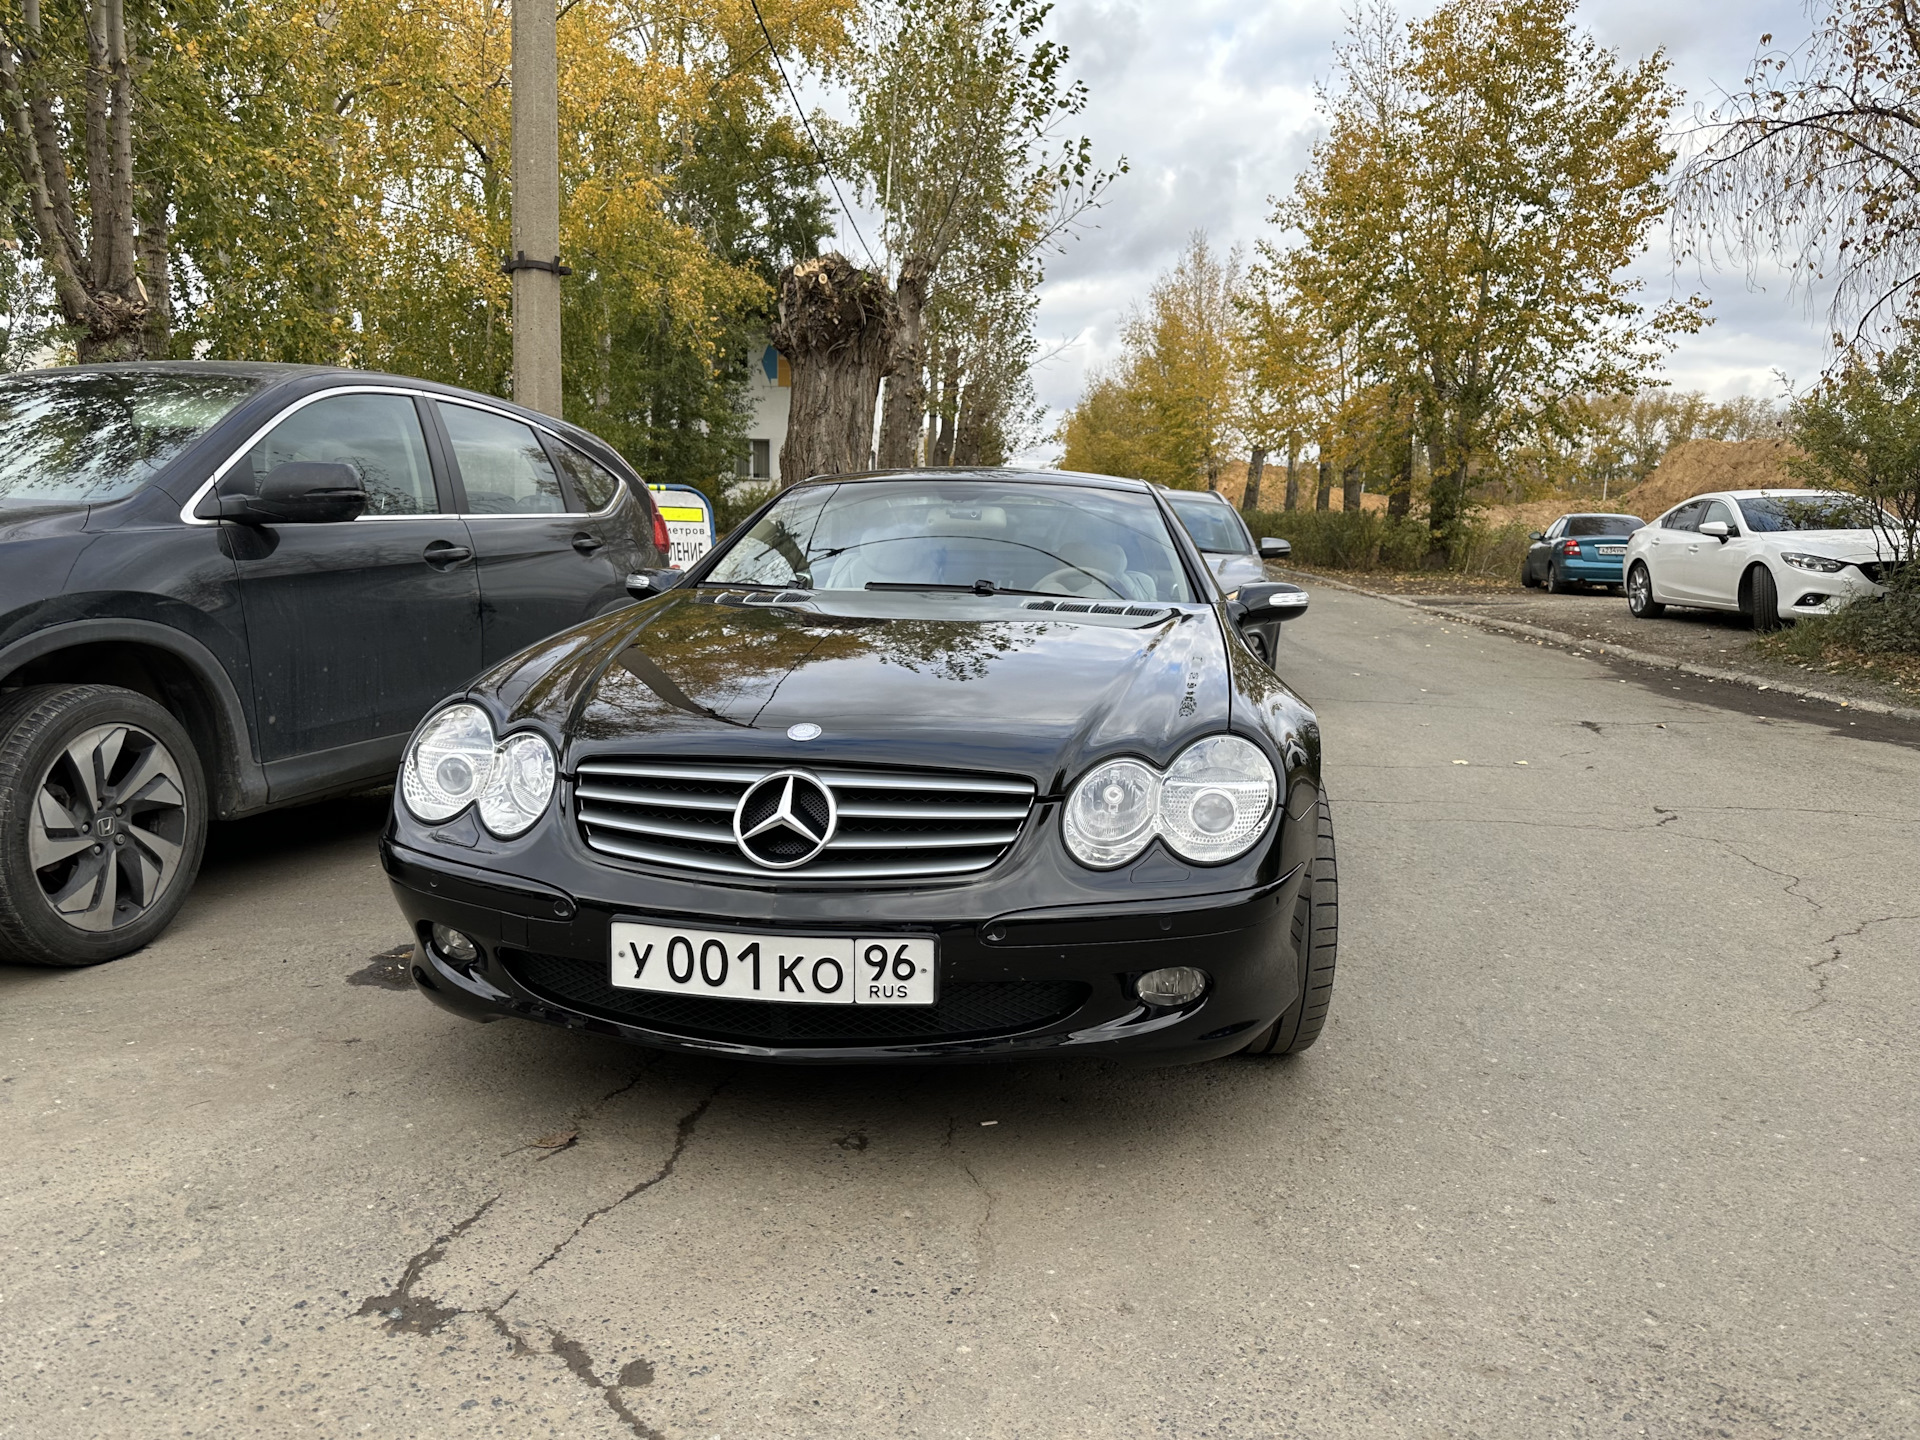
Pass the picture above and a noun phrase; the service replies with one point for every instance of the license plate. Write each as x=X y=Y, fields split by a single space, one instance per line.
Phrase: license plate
x=1609 y=549
x=799 y=970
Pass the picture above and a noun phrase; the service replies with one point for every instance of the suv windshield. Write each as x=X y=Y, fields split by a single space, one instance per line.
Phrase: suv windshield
x=84 y=437
x=882 y=534
x=1212 y=525
x=1810 y=512
x=1604 y=524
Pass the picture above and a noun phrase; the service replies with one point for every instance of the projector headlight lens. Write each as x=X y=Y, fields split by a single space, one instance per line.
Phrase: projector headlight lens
x=1217 y=799
x=448 y=764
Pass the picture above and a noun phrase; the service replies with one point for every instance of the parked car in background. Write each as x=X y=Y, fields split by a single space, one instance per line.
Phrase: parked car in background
x=943 y=766
x=1227 y=547
x=1771 y=554
x=1581 y=549
x=225 y=588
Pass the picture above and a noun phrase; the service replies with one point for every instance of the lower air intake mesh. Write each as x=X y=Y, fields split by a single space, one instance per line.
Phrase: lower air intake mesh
x=966 y=1009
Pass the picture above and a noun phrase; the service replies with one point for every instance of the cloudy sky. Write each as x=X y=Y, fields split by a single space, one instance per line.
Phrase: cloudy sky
x=1211 y=101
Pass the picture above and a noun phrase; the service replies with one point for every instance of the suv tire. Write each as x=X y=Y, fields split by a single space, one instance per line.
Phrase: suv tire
x=1316 y=944
x=103 y=816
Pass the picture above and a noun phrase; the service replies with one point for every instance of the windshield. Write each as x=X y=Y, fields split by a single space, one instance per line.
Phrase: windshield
x=885 y=534
x=84 y=437
x=1810 y=512
x=1604 y=524
x=1213 y=526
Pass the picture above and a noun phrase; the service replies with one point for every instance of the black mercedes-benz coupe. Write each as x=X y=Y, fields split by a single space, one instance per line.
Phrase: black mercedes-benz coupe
x=914 y=766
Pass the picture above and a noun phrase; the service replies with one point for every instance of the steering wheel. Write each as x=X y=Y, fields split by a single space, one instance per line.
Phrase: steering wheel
x=1075 y=580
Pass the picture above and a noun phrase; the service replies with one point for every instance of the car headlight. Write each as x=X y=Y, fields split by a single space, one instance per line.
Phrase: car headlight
x=1111 y=812
x=1818 y=563
x=1216 y=799
x=455 y=762
x=1214 y=802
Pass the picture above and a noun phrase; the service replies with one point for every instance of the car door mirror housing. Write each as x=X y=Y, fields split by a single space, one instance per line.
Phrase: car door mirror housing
x=645 y=584
x=1272 y=549
x=298 y=492
x=1269 y=600
x=1537 y=536
x=1718 y=529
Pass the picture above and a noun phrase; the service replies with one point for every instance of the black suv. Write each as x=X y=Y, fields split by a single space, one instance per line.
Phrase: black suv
x=225 y=588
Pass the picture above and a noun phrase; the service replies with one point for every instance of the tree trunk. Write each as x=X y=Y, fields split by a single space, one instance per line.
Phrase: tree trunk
x=156 y=269
x=836 y=329
x=1352 y=482
x=1443 y=513
x=1256 y=467
x=905 y=411
x=1323 y=497
x=1400 y=496
x=96 y=284
x=1293 y=474
x=942 y=452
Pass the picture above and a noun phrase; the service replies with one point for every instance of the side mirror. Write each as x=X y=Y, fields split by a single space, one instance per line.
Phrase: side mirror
x=1271 y=600
x=1537 y=536
x=1718 y=529
x=299 y=492
x=1272 y=549
x=645 y=584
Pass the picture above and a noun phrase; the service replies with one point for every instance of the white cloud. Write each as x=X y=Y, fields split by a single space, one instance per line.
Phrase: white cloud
x=1212 y=103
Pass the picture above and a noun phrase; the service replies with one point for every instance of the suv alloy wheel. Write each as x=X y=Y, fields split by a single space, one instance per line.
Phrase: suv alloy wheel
x=103 y=815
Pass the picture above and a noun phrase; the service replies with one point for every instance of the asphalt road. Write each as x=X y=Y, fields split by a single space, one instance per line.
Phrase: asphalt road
x=1613 y=1133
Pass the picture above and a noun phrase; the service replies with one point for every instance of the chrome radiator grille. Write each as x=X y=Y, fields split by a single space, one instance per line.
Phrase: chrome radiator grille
x=891 y=824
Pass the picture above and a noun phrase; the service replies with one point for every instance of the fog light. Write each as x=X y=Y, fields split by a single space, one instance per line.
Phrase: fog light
x=455 y=946
x=1172 y=987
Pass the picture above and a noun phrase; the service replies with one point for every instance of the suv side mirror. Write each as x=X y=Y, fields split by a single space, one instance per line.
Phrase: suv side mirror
x=299 y=492
x=1272 y=549
x=1718 y=529
x=645 y=584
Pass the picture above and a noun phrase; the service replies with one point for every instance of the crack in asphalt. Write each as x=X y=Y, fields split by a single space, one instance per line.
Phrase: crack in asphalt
x=1818 y=968
x=982 y=1239
x=574 y=1356
x=683 y=1133
x=1739 y=854
x=402 y=1310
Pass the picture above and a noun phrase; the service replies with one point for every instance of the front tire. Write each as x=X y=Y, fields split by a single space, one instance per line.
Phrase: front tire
x=103 y=815
x=1526 y=575
x=1316 y=943
x=1765 y=596
x=1640 y=594
x=1556 y=585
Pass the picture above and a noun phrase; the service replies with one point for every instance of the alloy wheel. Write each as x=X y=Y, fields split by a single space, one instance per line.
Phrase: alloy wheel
x=108 y=827
x=1637 y=588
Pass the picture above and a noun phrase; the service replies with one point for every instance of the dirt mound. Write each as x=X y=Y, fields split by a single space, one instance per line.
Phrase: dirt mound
x=1694 y=466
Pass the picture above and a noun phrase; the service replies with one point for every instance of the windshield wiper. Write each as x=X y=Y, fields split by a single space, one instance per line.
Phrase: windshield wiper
x=978 y=587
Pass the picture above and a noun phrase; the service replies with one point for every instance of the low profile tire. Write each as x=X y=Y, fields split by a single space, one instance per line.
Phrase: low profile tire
x=103 y=815
x=1316 y=943
x=1640 y=594
x=1765 y=596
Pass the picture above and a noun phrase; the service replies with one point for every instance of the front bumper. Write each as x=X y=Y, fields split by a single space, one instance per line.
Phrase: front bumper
x=1028 y=983
x=1808 y=592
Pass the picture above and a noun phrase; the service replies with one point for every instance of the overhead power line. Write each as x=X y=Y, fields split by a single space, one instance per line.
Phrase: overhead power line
x=819 y=154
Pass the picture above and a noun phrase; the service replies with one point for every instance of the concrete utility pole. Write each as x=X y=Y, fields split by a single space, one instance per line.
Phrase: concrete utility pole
x=535 y=266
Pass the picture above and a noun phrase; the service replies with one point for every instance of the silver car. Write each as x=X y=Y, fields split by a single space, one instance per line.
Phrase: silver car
x=1237 y=563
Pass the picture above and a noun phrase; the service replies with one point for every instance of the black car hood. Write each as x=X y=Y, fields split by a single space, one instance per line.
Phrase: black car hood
x=966 y=681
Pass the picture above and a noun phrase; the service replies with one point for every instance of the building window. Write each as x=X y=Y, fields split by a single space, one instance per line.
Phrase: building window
x=762 y=453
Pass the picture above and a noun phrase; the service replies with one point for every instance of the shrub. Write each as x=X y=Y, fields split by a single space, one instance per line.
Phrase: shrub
x=1374 y=540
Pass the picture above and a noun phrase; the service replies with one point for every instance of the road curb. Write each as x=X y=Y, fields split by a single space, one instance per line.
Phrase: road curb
x=1624 y=652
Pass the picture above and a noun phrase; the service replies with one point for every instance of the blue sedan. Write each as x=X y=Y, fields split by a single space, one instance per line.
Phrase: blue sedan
x=1579 y=550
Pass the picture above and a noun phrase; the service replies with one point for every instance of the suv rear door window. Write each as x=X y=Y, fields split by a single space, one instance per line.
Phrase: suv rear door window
x=593 y=485
x=502 y=464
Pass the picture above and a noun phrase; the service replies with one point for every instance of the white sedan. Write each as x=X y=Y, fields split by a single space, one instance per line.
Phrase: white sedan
x=1771 y=554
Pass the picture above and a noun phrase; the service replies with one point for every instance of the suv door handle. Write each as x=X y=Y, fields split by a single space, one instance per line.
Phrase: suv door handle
x=586 y=544
x=443 y=554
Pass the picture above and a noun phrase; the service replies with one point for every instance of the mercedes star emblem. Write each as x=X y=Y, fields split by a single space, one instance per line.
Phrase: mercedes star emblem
x=784 y=820
x=805 y=730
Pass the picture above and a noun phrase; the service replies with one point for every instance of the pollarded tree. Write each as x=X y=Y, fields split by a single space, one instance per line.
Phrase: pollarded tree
x=1486 y=179
x=1814 y=162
